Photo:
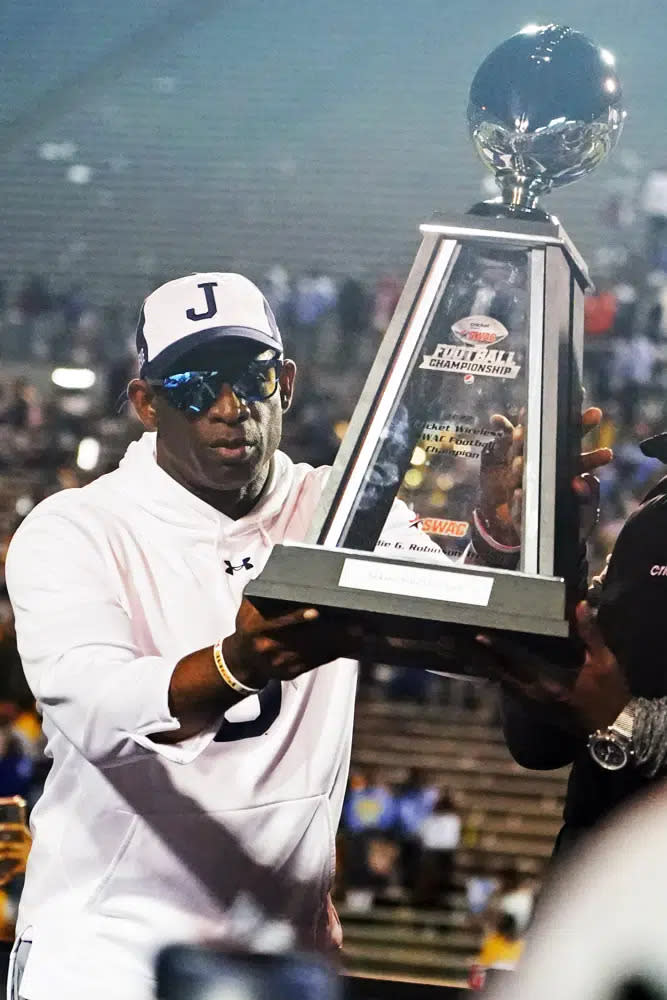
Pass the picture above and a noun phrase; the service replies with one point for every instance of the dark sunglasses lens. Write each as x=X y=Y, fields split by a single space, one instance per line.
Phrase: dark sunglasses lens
x=197 y=391
x=193 y=391
x=259 y=382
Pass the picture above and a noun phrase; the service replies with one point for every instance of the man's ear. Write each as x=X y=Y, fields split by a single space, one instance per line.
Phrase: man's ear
x=142 y=397
x=287 y=377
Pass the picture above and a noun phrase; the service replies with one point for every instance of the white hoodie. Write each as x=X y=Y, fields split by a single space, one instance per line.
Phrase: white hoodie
x=140 y=844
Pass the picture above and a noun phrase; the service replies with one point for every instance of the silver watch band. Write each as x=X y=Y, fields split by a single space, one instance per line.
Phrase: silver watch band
x=624 y=723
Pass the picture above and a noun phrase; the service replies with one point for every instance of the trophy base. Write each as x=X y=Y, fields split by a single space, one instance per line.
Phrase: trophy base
x=410 y=602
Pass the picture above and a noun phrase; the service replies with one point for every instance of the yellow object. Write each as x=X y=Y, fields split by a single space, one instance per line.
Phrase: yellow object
x=606 y=434
x=28 y=724
x=499 y=951
x=413 y=478
x=7 y=917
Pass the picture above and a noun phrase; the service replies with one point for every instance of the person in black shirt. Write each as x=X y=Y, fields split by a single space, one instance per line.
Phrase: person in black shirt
x=608 y=717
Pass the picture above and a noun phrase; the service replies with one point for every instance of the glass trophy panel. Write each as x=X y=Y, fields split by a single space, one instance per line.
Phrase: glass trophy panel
x=469 y=368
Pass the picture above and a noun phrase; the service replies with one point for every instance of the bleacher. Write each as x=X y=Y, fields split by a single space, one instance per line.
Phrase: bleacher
x=510 y=816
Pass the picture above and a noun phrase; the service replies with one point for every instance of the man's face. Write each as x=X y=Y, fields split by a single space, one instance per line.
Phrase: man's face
x=230 y=445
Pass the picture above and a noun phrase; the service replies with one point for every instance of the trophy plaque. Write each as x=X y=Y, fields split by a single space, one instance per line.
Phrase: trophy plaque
x=478 y=375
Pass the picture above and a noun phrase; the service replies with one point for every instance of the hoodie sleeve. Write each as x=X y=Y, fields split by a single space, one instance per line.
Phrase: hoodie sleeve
x=78 y=650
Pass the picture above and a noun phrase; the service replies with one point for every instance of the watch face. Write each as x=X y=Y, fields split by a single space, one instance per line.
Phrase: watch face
x=608 y=753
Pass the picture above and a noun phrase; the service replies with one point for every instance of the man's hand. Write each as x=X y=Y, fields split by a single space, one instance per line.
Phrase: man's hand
x=329 y=934
x=263 y=649
x=593 y=699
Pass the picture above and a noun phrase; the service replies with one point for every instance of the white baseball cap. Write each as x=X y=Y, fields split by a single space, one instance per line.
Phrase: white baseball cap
x=199 y=309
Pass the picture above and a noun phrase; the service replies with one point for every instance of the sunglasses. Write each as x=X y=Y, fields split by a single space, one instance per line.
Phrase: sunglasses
x=195 y=392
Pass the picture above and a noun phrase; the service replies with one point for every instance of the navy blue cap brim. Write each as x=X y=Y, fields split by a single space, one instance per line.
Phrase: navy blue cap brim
x=163 y=363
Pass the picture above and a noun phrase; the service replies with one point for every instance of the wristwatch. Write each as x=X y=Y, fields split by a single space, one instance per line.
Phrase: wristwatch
x=612 y=747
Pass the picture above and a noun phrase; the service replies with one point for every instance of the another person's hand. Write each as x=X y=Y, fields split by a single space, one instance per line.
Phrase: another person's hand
x=592 y=700
x=501 y=478
x=586 y=485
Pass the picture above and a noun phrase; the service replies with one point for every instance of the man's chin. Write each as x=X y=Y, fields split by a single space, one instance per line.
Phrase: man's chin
x=225 y=472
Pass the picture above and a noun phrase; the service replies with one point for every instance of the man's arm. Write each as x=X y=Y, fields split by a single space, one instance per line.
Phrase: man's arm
x=649 y=736
x=94 y=683
x=78 y=647
x=533 y=739
x=544 y=703
x=259 y=650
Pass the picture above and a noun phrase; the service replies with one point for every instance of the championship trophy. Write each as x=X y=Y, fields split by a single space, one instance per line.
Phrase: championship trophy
x=482 y=359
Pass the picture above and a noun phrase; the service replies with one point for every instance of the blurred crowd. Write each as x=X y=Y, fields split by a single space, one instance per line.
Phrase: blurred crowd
x=401 y=838
x=625 y=368
x=332 y=329
x=65 y=362
x=397 y=845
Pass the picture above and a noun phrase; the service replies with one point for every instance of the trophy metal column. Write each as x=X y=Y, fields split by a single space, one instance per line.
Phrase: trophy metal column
x=487 y=336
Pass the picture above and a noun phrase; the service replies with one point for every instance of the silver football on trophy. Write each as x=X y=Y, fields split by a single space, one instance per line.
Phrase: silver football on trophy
x=545 y=108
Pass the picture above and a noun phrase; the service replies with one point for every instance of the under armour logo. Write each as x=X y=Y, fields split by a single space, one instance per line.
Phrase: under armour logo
x=245 y=564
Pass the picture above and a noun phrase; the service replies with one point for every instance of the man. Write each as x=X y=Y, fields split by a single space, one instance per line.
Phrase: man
x=199 y=763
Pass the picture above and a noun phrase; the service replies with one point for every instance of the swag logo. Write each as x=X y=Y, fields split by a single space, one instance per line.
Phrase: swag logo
x=440 y=526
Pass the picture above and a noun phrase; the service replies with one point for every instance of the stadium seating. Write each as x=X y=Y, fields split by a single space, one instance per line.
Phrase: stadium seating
x=510 y=817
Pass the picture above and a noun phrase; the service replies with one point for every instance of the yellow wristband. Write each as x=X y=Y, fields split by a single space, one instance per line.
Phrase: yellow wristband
x=227 y=675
